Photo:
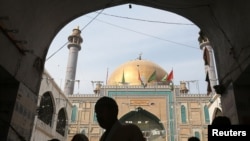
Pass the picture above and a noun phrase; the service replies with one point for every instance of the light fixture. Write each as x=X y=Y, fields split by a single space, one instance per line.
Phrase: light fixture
x=130 y=6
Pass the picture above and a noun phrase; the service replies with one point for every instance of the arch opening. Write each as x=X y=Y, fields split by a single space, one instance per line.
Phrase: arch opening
x=46 y=109
x=131 y=42
x=150 y=125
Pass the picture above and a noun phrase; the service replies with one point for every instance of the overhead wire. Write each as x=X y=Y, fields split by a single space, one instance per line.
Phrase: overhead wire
x=101 y=12
x=144 y=20
x=146 y=34
x=80 y=30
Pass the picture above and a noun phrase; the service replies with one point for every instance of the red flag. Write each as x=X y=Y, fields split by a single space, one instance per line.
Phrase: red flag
x=170 y=75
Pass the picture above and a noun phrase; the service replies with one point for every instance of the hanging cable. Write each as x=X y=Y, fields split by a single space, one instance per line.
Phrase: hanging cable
x=147 y=34
x=92 y=20
x=56 y=51
x=144 y=20
x=101 y=12
x=81 y=30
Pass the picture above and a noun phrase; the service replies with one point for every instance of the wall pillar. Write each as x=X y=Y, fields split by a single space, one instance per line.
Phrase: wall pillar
x=236 y=102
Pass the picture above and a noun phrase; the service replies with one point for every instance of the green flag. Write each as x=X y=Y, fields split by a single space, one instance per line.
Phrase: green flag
x=152 y=77
x=165 y=77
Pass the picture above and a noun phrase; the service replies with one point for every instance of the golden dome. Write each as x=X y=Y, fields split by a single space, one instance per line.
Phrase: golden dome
x=129 y=73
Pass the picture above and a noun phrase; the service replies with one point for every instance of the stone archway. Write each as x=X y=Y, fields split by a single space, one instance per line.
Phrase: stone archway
x=27 y=29
x=149 y=124
x=52 y=16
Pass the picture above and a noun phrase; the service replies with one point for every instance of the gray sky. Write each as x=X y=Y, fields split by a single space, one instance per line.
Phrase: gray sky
x=114 y=38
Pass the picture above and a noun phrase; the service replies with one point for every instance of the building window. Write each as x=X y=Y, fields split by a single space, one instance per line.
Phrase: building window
x=61 y=122
x=207 y=120
x=46 y=109
x=183 y=114
x=94 y=114
x=74 y=113
x=95 y=118
x=197 y=134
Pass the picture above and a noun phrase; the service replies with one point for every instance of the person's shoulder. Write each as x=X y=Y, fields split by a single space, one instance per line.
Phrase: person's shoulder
x=193 y=138
x=131 y=127
x=133 y=132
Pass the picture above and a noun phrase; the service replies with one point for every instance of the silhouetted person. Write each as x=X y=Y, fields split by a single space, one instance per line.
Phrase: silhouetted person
x=106 y=110
x=221 y=120
x=80 y=137
x=193 y=138
x=54 y=140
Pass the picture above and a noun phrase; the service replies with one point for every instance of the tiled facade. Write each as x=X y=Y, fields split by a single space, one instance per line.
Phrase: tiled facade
x=178 y=115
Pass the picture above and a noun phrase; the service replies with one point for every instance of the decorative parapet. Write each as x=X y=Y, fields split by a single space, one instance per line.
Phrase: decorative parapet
x=192 y=95
x=136 y=86
x=83 y=95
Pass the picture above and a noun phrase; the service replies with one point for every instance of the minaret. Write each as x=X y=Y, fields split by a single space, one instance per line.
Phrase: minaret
x=208 y=57
x=74 y=47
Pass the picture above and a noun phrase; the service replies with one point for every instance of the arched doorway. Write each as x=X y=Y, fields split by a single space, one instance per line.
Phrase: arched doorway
x=150 y=125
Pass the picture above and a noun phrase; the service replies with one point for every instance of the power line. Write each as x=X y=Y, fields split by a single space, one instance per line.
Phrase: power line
x=92 y=20
x=81 y=30
x=152 y=36
x=98 y=13
x=56 y=51
x=144 y=20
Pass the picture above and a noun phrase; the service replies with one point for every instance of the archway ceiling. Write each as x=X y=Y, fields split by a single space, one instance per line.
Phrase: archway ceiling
x=38 y=22
x=226 y=23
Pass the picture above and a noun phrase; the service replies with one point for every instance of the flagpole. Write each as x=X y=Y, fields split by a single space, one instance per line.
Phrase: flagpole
x=170 y=78
x=173 y=80
x=107 y=75
x=139 y=77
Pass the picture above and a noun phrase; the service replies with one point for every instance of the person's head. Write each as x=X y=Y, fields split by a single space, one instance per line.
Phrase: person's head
x=106 y=110
x=221 y=120
x=193 y=139
x=80 y=137
x=54 y=140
